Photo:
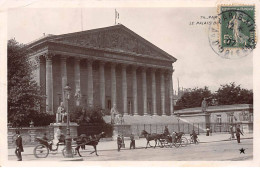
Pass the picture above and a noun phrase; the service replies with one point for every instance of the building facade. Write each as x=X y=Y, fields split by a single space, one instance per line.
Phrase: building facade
x=219 y=118
x=104 y=67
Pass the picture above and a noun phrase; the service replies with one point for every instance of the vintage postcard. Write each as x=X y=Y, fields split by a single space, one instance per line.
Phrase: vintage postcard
x=121 y=83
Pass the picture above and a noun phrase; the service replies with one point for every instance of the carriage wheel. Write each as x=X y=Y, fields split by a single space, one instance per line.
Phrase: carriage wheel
x=177 y=144
x=41 y=151
x=184 y=141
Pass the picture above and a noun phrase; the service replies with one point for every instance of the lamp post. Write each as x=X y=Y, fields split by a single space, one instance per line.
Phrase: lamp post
x=68 y=139
x=178 y=118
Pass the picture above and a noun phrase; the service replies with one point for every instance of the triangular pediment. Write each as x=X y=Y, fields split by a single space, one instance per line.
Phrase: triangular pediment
x=117 y=38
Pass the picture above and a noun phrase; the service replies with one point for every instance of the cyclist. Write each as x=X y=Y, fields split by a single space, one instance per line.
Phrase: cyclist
x=194 y=136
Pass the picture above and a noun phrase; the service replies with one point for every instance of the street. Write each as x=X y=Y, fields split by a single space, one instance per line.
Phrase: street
x=212 y=151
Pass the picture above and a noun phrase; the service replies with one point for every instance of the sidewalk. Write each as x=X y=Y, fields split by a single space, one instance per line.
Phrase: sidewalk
x=140 y=143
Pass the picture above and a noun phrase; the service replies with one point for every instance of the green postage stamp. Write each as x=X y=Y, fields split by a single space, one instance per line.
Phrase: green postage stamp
x=237 y=26
x=234 y=35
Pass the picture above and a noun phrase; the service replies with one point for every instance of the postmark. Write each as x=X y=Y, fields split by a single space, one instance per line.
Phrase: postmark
x=234 y=34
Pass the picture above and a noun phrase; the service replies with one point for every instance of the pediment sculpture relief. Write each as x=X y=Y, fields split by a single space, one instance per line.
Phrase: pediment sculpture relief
x=112 y=39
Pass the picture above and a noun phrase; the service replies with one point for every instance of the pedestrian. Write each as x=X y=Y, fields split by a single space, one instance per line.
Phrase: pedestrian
x=166 y=131
x=238 y=132
x=132 y=141
x=231 y=132
x=19 y=146
x=119 y=143
x=210 y=131
x=194 y=136
x=207 y=130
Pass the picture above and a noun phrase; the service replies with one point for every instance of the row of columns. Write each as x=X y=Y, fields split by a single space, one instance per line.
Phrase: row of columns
x=49 y=85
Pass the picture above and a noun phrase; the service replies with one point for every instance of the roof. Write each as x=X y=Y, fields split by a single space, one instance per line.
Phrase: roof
x=220 y=108
x=58 y=38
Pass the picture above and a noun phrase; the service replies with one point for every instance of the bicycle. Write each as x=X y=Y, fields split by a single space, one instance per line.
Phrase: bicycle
x=180 y=140
x=191 y=140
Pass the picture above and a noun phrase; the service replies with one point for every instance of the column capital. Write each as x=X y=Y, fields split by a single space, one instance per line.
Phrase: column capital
x=63 y=58
x=48 y=56
x=113 y=64
x=124 y=65
x=101 y=62
x=153 y=69
x=77 y=59
x=143 y=68
x=134 y=66
x=162 y=71
x=90 y=60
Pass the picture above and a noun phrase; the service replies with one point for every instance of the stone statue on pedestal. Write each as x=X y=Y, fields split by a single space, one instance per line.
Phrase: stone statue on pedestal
x=114 y=114
x=77 y=97
x=60 y=113
x=204 y=105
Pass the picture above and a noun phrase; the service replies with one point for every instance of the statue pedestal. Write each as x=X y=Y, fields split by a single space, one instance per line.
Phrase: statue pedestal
x=73 y=128
x=119 y=129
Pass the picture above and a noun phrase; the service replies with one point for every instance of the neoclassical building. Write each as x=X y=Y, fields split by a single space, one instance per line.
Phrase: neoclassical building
x=105 y=66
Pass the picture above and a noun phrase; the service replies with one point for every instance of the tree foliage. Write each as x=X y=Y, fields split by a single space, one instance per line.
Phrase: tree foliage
x=226 y=95
x=23 y=92
x=193 y=98
x=233 y=94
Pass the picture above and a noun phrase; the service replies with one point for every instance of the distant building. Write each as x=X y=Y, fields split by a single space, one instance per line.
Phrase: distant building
x=220 y=116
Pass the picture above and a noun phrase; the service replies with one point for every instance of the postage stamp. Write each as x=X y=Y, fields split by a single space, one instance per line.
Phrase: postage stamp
x=234 y=35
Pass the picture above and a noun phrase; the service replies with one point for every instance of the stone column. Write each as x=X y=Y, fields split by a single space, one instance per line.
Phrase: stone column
x=162 y=92
x=63 y=67
x=171 y=92
x=124 y=89
x=42 y=82
x=113 y=83
x=154 y=91
x=144 y=88
x=49 y=84
x=102 y=84
x=135 y=109
x=90 y=82
x=77 y=81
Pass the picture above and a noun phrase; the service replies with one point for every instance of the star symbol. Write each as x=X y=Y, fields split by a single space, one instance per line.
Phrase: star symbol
x=242 y=150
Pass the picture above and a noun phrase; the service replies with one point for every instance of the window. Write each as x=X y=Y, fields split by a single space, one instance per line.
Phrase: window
x=219 y=120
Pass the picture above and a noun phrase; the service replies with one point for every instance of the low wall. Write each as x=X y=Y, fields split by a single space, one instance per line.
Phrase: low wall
x=29 y=134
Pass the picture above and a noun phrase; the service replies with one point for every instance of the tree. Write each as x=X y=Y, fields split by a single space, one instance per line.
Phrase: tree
x=193 y=98
x=233 y=94
x=23 y=92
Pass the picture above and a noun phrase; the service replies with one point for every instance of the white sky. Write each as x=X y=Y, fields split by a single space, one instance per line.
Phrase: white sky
x=168 y=28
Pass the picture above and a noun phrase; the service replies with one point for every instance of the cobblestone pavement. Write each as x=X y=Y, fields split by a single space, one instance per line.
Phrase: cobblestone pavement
x=207 y=151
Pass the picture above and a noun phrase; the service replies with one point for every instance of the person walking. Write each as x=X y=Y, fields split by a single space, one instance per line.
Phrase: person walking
x=238 y=132
x=119 y=143
x=194 y=136
x=207 y=130
x=19 y=146
x=132 y=141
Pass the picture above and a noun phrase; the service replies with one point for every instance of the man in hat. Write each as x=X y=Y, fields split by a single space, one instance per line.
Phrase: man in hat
x=238 y=132
x=132 y=141
x=19 y=146
x=119 y=143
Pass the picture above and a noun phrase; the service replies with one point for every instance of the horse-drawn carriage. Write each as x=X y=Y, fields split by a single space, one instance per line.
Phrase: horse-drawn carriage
x=177 y=139
x=44 y=147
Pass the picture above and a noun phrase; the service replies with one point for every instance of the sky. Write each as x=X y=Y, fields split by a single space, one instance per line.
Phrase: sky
x=197 y=64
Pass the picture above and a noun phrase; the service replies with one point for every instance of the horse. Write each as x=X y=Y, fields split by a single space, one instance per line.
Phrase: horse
x=150 y=137
x=83 y=140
